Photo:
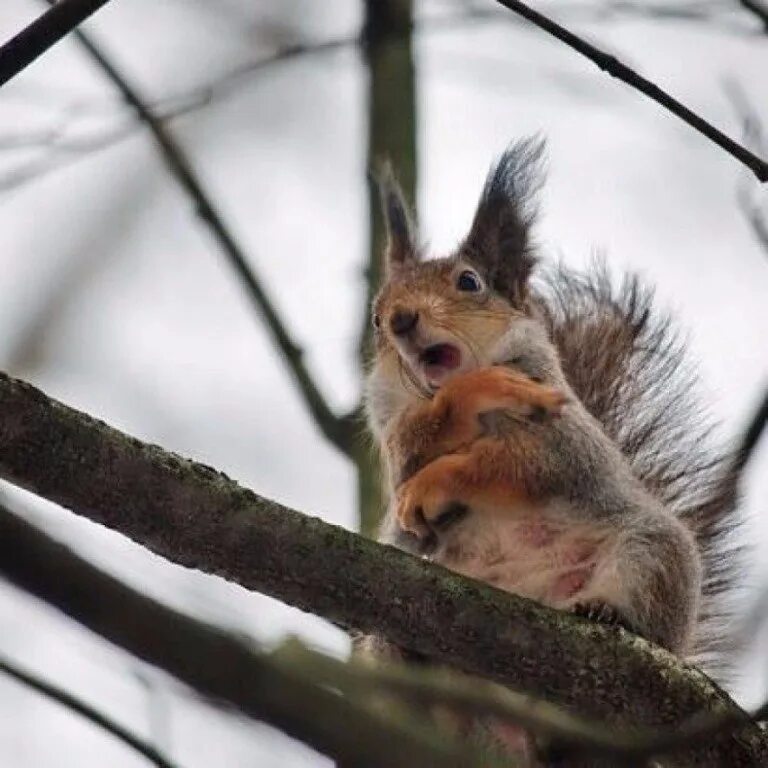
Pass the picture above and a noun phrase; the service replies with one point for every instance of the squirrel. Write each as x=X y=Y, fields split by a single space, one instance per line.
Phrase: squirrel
x=539 y=429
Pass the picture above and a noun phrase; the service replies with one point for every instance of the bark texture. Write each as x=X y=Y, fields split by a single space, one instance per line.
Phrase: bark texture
x=219 y=666
x=198 y=517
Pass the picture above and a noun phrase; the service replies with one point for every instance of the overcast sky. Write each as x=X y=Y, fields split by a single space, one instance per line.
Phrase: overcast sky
x=114 y=299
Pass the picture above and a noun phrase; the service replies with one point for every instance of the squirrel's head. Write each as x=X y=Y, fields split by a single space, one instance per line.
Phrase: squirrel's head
x=434 y=318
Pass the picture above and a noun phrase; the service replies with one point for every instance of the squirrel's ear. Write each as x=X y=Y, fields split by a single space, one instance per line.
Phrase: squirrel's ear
x=499 y=241
x=401 y=238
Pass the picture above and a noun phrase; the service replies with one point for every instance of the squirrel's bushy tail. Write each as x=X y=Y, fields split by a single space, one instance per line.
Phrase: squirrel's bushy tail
x=627 y=364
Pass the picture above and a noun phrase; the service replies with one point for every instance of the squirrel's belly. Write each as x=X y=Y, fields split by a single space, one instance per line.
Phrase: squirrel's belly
x=530 y=551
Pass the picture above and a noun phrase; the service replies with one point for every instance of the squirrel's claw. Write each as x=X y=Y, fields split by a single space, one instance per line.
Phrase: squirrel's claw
x=505 y=390
x=410 y=514
x=602 y=613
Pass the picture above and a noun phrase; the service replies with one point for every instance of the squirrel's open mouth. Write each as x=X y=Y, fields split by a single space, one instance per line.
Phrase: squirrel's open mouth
x=439 y=361
x=441 y=355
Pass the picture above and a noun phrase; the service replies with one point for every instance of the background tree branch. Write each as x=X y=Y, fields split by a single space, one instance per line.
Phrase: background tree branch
x=198 y=517
x=84 y=709
x=216 y=664
x=33 y=41
x=756 y=8
x=337 y=430
x=387 y=48
x=617 y=69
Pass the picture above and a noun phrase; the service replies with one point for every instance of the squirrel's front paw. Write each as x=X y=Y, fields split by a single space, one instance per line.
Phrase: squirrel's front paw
x=504 y=389
x=423 y=508
x=409 y=512
x=501 y=388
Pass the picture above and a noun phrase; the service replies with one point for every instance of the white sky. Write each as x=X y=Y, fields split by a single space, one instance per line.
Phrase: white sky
x=149 y=330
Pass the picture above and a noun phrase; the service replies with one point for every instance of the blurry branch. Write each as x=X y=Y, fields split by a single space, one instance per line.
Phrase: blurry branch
x=82 y=258
x=754 y=136
x=180 y=104
x=33 y=41
x=66 y=699
x=157 y=715
x=201 y=96
x=338 y=430
x=62 y=152
x=617 y=69
x=561 y=731
x=758 y=9
x=752 y=435
x=387 y=50
x=199 y=518
x=216 y=664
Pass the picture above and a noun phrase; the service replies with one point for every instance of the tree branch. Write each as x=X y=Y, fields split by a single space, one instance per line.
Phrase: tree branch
x=33 y=41
x=86 y=710
x=617 y=69
x=199 y=518
x=752 y=435
x=563 y=732
x=756 y=8
x=214 y=663
x=336 y=429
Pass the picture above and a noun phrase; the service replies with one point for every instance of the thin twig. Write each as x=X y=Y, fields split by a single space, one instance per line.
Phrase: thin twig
x=336 y=429
x=753 y=136
x=33 y=41
x=617 y=69
x=752 y=435
x=87 y=711
x=180 y=104
x=758 y=9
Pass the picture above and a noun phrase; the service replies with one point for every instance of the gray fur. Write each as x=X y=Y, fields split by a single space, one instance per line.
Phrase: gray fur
x=627 y=365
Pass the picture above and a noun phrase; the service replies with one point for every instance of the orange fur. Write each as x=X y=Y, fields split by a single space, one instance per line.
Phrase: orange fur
x=450 y=422
x=462 y=466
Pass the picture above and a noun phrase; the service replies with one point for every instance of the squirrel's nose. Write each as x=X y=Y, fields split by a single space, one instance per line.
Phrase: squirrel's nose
x=403 y=321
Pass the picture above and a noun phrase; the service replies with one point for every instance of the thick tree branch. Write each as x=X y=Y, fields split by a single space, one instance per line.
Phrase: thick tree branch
x=98 y=718
x=617 y=69
x=33 y=41
x=214 y=663
x=198 y=517
x=562 y=732
x=336 y=429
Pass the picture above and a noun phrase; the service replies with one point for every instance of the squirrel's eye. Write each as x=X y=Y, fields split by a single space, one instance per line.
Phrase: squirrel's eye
x=376 y=321
x=469 y=281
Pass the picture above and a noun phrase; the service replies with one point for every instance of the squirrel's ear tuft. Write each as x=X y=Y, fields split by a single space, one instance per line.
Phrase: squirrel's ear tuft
x=499 y=241
x=401 y=238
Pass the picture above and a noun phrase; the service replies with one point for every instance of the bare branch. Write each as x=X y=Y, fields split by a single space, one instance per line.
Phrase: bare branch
x=199 y=518
x=219 y=666
x=562 y=731
x=752 y=435
x=66 y=699
x=756 y=8
x=753 y=135
x=337 y=430
x=33 y=41
x=617 y=69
